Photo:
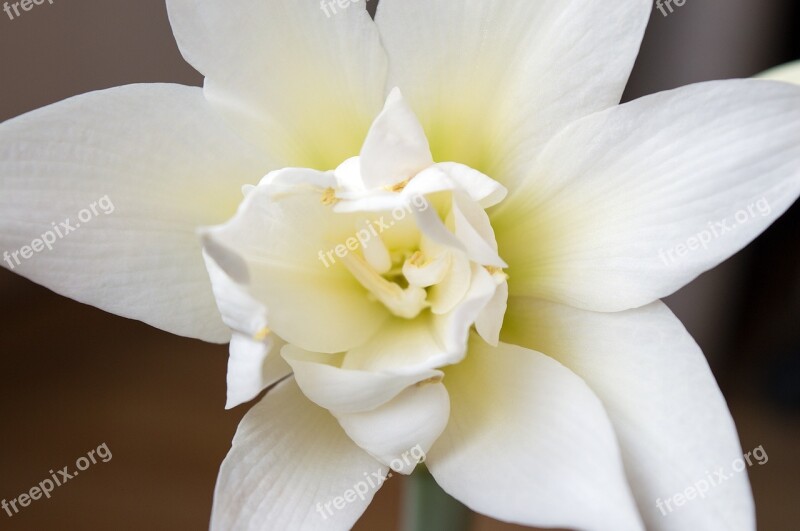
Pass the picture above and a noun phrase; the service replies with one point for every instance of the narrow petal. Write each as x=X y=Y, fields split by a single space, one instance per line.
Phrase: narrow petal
x=276 y=68
x=289 y=461
x=253 y=366
x=671 y=420
x=491 y=79
x=628 y=205
x=490 y=321
x=118 y=181
x=255 y=362
x=391 y=433
x=395 y=148
x=529 y=443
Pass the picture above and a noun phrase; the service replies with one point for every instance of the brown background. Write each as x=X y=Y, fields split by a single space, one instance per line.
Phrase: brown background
x=73 y=377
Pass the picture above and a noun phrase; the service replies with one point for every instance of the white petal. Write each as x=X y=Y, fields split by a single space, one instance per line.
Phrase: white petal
x=788 y=73
x=624 y=207
x=166 y=164
x=402 y=346
x=529 y=443
x=282 y=252
x=253 y=366
x=490 y=321
x=278 y=68
x=672 y=422
x=289 y=461
x=396 y=148
x=375 y=252
x=448 y=293
x=407 y=425
x=481 y=188
x=426 y=271
x=255 y=362
x=240 y=311
x=474 y=230
x=488 y=78
x=347 y=390
x=453 y=328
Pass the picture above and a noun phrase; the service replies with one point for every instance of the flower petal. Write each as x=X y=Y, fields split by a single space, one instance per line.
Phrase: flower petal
x=628 y=205
x=255 y=362
x=276 y=248
x=253 y=366
x=529 y=443
x=412 y=420
x=788 y=73
x=395 y=148
x=402 y=346
x=489 y=78
x=166 y=164
x=276 y=68
x=289 y=460
x=347 y=390
x=672 y=422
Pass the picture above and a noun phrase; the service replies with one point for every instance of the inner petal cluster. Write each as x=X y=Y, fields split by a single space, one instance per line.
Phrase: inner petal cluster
x=377 y=269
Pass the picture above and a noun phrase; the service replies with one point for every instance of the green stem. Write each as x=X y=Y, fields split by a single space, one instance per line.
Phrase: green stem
x=426 y=507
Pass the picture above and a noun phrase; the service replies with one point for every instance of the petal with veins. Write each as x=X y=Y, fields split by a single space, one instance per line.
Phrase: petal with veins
x=628 y=205
x=410 y=422
x=528 y=442
x=166 y=164
x=275 y=68
x=671 y=419
x=494 y=79
x=289 y=458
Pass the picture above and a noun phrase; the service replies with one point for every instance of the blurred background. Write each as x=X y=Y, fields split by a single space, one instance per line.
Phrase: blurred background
x=73 y=377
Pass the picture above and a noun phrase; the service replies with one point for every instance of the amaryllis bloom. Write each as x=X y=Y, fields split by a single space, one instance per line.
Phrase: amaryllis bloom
x=436 y=234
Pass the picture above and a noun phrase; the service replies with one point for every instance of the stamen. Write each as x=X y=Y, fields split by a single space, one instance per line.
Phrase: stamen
x=417 y=259
x=329 y=197
x=398 y=187
x=431 y=380
x=406 y=303
x=262 y=334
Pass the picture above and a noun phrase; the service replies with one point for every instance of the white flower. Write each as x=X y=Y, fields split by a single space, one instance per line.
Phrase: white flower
x=474 y=270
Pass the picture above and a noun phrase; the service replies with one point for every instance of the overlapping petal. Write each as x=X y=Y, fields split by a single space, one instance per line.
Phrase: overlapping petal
x=274 y=247
x=669 y=415
x=630 y=204
x=290 y=78
x=290 y=459
x=409 y=423
x=528 y=442
x=493 y=80
x=166 y=164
